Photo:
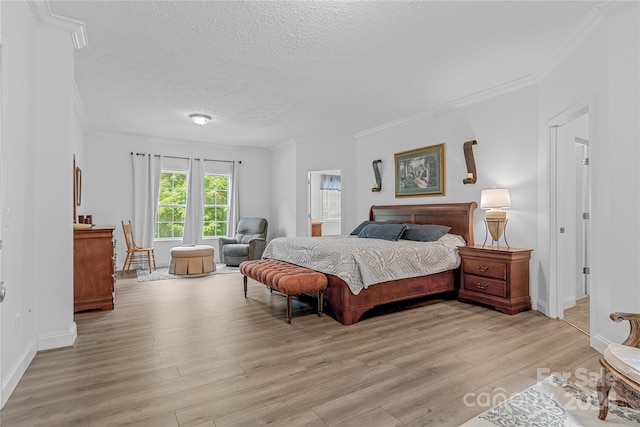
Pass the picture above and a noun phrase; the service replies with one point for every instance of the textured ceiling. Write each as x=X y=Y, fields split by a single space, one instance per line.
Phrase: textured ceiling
x=270 y=71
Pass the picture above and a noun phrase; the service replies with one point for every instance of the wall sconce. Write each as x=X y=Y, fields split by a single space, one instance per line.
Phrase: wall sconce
x=467 y=147
x=376 y=172
x=495 y=218
x=200 y=119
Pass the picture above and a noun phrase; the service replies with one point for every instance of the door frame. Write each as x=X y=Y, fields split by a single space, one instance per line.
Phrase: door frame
x=556 y=306
x=3 y=192
x=311 y=192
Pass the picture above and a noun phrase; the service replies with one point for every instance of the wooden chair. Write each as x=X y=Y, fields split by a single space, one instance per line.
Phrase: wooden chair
x=134 y=252
x=621 y=368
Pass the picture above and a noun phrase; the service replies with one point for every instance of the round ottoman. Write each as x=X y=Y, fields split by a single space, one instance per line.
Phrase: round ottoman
x=192 y=259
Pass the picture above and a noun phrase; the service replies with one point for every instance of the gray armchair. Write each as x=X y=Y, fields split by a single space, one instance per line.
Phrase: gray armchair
x=249 y=242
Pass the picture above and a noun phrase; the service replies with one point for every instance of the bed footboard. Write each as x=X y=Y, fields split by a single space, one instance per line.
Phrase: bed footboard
x=349 y=308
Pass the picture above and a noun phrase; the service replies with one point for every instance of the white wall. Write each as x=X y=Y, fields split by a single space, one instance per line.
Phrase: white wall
x=283 y=184
x=53 y=160
x=291 y=163
x=325 y=154
x=603 y=70
x=37 y=136
x=512 y=151
x=108 y=174
x=505 y=129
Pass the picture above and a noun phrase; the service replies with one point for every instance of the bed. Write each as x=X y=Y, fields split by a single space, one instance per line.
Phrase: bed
x=349 y=307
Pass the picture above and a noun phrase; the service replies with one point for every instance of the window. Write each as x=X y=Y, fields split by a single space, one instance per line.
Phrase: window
x=216 y=204
x=172 y=205
x=331 y=205
x=331 y=187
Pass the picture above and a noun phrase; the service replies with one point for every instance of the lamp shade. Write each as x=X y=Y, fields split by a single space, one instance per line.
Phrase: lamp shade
x=495 y=198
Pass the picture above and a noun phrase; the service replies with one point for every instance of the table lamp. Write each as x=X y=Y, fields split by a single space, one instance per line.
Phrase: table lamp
x=495 y=219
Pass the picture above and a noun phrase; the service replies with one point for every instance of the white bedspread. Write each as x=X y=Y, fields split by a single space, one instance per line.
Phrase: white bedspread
x=364 y=262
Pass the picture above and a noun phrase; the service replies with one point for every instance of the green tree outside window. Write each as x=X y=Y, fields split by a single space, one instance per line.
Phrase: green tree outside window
x=216 y=205
x=172 y=205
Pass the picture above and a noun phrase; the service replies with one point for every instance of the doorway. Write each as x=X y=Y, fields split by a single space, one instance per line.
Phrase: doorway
x=325 y=203
x=573 y=195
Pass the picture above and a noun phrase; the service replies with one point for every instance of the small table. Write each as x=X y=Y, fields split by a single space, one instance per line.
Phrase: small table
x=316 y=228
x=496 y=276
x=192 y=259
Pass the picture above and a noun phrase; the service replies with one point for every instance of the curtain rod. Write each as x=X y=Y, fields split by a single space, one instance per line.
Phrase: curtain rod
x=187 y=158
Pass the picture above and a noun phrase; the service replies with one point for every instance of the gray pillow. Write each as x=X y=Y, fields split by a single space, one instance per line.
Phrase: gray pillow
x=382 y=231
x=425 y=232
x=363 y=224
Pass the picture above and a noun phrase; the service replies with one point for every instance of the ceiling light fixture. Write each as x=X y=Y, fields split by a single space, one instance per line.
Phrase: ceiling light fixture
x=200 y=119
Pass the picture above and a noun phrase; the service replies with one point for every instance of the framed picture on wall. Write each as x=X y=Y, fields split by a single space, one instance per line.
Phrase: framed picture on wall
x=420 y=172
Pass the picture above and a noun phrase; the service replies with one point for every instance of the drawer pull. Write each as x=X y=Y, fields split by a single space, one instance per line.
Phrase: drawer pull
x=481 y=286
x=482 y=269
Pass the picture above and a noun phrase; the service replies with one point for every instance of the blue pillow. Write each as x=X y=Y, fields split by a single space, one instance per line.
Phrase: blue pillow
x=382 y=231
x=363 y=224
x=359 y=228
x=425 y=232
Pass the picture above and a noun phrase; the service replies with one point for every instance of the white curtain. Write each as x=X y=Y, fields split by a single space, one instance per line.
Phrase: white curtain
x=330 y=182
x=194 y=219
x=146 y=187
x=234 y=215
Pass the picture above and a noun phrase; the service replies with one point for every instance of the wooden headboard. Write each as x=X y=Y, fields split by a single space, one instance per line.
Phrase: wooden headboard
x=458 y=216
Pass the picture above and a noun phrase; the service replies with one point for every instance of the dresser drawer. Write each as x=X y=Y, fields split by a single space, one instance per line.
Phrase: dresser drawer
x=478 y=267
x=484 y=286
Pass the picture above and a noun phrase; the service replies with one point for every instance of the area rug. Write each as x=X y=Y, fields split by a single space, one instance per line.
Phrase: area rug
x=554 y=402
x=162 y=273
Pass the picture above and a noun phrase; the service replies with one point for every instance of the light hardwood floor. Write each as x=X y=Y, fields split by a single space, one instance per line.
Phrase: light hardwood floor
x=578 y=315
x=196 y=352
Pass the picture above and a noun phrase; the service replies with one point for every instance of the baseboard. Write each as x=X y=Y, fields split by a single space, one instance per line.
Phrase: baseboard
x=598 y=342
x=540 y=306
x=569 y=302
x=17 y=371
x=52 y=341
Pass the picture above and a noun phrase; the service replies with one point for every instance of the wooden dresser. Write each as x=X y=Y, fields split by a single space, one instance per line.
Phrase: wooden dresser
x=93 y=269
x=496 y=277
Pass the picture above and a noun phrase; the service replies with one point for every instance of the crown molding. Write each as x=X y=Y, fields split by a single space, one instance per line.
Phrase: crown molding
x=46 y=18
x=78 y=106
x=588 y=25
x=457 y=103
x=612 y=7
x=598 y=15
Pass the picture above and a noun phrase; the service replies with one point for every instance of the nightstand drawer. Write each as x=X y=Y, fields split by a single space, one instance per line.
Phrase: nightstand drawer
x=485 y=286
x=497 y=270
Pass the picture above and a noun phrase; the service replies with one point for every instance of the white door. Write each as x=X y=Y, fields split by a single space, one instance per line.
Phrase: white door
x=566 y=214
x=573 y=201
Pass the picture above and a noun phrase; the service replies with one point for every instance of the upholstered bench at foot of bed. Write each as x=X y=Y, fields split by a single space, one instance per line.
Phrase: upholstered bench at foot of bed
x=286 y=278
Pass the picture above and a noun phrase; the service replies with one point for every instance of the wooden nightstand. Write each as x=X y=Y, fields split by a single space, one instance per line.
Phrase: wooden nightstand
x=497 y=277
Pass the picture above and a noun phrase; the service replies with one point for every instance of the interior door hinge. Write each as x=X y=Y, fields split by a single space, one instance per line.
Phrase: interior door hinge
x=585 y=270
x=585 y=161
x=585 y=215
